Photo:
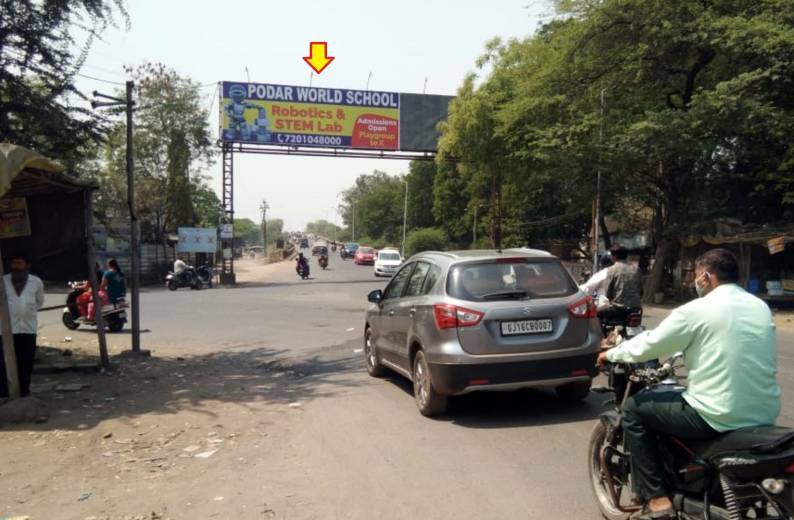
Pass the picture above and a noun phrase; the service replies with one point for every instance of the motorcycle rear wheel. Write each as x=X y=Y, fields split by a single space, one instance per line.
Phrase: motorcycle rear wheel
x=600 y=492
x=172 y=285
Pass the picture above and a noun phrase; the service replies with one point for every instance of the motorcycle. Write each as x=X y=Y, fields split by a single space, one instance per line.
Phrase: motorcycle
x=323 y=260
x=343 y=253
x=303 y=270
x=190 y=277
x=625 y=321
x=113 y=314
x=747 y=473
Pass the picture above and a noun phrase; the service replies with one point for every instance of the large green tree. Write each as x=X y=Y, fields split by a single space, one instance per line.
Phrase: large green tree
x=684 y=107
x=43 y=45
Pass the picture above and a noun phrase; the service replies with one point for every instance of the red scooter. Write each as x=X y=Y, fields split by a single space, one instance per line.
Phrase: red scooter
x=76 y=310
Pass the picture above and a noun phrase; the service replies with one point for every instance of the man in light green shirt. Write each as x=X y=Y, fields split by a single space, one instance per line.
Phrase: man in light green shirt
x=730 y=350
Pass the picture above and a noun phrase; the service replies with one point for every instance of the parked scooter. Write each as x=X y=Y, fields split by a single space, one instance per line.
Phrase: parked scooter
x=113 y=314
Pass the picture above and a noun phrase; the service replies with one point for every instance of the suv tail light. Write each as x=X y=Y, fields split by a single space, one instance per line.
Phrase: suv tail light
x=451 y=316
x=584 y=308
x=635 y=320
x=790 y=469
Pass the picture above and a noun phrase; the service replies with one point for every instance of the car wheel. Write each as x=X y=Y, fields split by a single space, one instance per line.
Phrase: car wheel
x=374 y=368
x=574 y=391
x=428 y=400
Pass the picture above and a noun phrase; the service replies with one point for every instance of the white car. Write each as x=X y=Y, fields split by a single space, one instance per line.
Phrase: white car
x=387 y=262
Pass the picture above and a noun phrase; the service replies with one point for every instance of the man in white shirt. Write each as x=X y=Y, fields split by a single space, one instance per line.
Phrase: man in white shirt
x=597 y=283
x=25 y=294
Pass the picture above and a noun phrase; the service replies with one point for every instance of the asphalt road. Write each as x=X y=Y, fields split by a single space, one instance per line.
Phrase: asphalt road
x=366 y=451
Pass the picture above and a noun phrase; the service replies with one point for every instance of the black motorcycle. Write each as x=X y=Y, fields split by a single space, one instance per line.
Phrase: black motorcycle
x=323 y=261
x=744 y=474
x=190 y=277
x=303 y=270
x=626 y=321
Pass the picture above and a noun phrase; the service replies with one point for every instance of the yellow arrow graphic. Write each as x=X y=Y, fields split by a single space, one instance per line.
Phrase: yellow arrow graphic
x=318 y=58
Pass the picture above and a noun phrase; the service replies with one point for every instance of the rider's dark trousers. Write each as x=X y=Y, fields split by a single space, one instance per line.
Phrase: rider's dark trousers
x=646 y=414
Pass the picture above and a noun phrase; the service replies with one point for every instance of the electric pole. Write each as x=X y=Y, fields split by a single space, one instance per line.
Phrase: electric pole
x=135 y=257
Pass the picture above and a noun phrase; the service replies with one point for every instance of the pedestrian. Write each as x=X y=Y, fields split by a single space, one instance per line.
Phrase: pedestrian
x=25 y=293
x=113 y=282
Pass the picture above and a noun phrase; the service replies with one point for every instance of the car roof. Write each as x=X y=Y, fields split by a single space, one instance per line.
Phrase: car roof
x=488 y=254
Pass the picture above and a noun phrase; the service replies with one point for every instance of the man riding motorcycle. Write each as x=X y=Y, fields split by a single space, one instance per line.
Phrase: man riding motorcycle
x=301 y=261
x=721 y=333
x=622 y=286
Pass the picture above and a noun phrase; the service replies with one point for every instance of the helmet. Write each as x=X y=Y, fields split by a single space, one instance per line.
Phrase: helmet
x=605 y=261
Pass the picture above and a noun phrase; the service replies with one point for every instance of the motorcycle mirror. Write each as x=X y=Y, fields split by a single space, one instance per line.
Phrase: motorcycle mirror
x=375 y=296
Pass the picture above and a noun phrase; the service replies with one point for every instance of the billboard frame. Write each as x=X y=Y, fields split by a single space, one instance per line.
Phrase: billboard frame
x=230 y=148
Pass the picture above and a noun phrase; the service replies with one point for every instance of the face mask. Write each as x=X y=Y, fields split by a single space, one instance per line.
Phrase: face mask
x=701 y=291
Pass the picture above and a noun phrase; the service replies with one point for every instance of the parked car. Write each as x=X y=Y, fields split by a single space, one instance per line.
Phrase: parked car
x=387 y=262
x=364 y=256
x=460 y=322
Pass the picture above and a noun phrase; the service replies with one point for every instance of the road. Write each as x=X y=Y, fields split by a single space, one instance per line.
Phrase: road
x=341 y=444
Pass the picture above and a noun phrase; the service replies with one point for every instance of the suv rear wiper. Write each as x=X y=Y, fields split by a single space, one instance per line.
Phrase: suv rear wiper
x=504 y=294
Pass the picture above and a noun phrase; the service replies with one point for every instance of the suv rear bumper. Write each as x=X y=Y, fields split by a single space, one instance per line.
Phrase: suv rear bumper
x=464 y=378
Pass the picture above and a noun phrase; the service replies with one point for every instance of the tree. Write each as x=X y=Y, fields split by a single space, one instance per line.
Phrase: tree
x=247 y=230
x=377 y=200
x=40 y=107
x=426 y=239
x=206 y=205
x=694 y=124
x=172 y=149
x=420 y=178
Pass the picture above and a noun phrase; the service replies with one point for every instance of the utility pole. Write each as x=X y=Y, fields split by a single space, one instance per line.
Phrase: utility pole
x=263 y=208
x=474 y=228
x=597 y=222
x=354 y=224
x=135 y=267
x=405 y=218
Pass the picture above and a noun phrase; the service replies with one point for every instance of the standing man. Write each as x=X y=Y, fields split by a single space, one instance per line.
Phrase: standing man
x=25 y=298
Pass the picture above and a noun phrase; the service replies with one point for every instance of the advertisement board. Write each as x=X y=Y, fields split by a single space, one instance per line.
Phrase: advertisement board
x=309 y=116
x=197 y=240
x=14 y=221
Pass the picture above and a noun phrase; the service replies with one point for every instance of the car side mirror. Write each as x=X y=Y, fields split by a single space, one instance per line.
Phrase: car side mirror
x=375 y=296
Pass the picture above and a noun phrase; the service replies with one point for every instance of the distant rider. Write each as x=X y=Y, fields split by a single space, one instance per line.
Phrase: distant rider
x=301 y=261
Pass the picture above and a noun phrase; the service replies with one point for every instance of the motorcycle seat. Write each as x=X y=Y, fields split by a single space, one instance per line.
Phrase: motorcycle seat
x=749 y=452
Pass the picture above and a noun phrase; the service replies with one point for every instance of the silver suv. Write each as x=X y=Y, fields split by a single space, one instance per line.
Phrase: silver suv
x=466 y=321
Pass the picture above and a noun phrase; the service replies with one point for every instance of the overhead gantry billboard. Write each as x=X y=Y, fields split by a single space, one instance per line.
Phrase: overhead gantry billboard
x=297 y=116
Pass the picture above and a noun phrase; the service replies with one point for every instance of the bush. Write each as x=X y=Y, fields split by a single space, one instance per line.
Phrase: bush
x=427 y=239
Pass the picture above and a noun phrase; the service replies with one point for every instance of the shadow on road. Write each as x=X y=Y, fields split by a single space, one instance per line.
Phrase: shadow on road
x=518 y=409
x=170 y=385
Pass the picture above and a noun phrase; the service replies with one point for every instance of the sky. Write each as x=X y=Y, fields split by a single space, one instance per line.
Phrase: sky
x=400 y=43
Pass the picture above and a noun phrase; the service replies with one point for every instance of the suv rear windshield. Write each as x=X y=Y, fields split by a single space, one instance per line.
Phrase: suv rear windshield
x=388 y=255
x=509 y=278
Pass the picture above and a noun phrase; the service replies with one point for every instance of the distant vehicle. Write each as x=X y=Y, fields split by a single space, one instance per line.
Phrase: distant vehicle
x=466 y=321
x=304 y=243
x=364 y=256
x=350 y=248
x=387 y=262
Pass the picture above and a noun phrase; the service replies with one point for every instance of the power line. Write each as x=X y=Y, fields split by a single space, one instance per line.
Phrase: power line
x=110 y=82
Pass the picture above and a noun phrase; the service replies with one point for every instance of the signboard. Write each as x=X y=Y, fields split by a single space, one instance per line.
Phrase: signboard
x=227 y=230
x=197 y=240
x=310 y=116
x=776 y=245
x=14 y=221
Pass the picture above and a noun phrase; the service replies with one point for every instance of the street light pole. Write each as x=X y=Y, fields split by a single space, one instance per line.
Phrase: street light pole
x=405 y=218
x=597 y=222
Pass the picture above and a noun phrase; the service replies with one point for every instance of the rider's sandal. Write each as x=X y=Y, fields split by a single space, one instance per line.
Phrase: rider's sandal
x=647 y=514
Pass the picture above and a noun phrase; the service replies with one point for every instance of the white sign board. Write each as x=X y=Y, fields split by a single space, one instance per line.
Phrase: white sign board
x=197 y=240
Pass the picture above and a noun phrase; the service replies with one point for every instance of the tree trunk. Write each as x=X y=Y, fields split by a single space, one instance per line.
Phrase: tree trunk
x=653 y=283
x=602 y=224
